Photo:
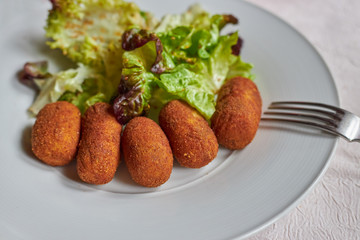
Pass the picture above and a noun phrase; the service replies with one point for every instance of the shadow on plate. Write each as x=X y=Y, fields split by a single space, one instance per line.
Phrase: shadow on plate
x=26 y=142
x=122 y=175
x=70 y=172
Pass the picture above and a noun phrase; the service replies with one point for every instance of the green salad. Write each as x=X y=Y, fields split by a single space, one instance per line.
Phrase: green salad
x=126 y=57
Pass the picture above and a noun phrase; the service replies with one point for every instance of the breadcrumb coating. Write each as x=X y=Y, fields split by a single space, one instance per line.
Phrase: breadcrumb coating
x=238 y=112
x=56 y=133
x=147 y=152
x=99 y=149
x=191 y=139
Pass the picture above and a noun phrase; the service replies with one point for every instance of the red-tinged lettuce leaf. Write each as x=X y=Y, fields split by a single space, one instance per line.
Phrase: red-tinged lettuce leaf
x=33 y=71
x=137 y=79
x=236 y=49
x=130 y=104
x=136 y=38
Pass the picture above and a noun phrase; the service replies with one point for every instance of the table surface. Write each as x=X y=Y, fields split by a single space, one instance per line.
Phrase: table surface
x=332 y=209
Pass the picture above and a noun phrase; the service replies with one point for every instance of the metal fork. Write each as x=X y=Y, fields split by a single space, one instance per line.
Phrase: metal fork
x=326 y=117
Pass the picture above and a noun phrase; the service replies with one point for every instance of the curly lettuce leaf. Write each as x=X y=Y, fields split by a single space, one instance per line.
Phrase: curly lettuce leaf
x=93 y=90
x=221 y=61
x=198 y=83
x=188 y=43
x=240 y=68
x=34 y=74
x=85 y=29
x=136 y=38
x=195 y=16
x=53 y=86
x=89 y=33
x=137 y=81
x=204 y=59
x=187 y=85
x=200 y=57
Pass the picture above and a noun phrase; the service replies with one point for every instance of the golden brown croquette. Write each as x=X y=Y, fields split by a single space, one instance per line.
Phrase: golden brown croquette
x=56 y=132
x=192 y=141
x=147 y=152
x=99 y=149
x=238 y=113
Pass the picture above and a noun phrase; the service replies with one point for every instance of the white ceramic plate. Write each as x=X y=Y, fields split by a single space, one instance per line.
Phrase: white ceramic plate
x=236 y=195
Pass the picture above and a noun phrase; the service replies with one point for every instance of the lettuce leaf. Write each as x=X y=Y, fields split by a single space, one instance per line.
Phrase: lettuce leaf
x=34 y=74
x=185 y=84
x=198 y=82
x=137 y=82
x=94 y=89
x=53 y=86
x=89 y=33
x=88 y=30
x=195 y=62
x=240 y=68
x=195 y=16
x=204 y=57
x=188 y=43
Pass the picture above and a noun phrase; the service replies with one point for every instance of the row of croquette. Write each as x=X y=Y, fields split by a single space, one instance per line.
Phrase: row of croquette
x=60 y=135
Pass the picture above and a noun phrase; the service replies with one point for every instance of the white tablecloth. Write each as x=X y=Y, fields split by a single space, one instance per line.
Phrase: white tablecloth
x=332 y=209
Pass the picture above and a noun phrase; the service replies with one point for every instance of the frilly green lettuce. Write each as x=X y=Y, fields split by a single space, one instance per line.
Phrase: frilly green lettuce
x=87 y=30
x=94 y=89
x=196 y=60
x=199 y=81
x=195 y=16
x=53 y=86
x=137 y=83
x=89 y=33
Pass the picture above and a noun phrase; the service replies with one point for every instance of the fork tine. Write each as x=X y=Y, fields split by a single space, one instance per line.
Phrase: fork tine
x=317 y=111
x=339 y=110
x=333 y=119
x=312 y=124
x=329 y=121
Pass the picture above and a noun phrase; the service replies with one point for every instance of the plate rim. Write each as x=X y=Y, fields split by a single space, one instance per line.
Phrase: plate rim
x=319 y=176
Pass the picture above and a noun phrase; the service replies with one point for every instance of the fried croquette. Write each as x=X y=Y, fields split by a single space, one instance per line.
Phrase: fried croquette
x=56 y=133
x=147 y=152
x=99 y=149
x=238 y=111
x=192 y=141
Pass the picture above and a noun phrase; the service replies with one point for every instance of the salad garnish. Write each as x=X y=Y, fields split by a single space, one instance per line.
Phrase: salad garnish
x=128 y=58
